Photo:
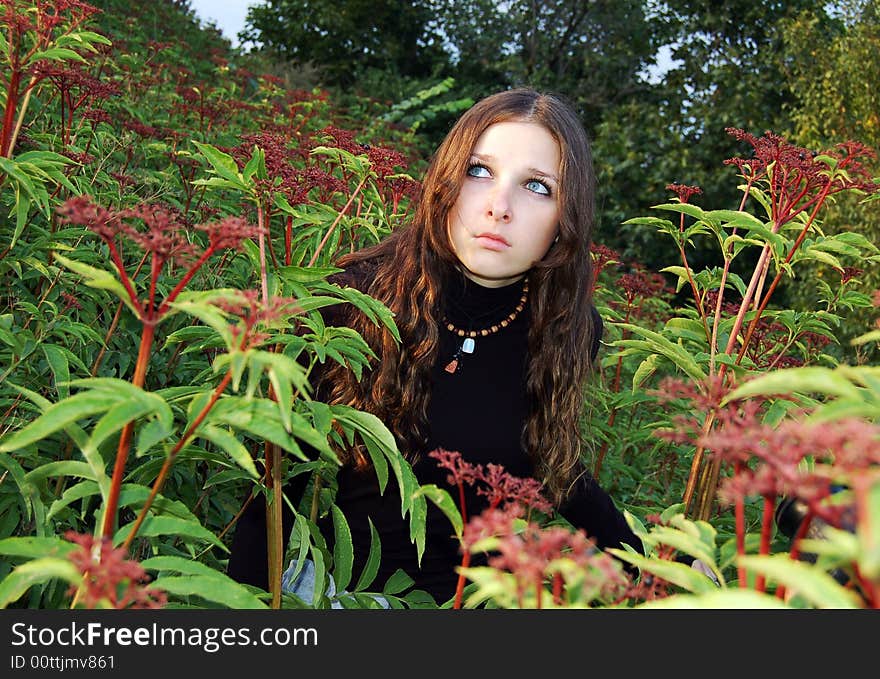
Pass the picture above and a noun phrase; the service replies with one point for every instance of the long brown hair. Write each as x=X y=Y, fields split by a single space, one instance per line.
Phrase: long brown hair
x=407 y=271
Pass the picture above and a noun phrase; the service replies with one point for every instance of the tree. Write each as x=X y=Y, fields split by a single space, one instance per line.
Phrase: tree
x=348 y=39
x=833 y=67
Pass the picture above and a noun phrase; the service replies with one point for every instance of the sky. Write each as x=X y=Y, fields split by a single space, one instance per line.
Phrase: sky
x=228 y=15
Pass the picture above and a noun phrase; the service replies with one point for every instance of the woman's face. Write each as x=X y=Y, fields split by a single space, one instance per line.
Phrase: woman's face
x=507 y=213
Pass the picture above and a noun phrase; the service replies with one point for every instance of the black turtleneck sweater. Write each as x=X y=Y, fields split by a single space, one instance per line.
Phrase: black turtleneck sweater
x=479 y=411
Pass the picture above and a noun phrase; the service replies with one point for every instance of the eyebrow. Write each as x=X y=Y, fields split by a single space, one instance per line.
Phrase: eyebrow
x=532 y=170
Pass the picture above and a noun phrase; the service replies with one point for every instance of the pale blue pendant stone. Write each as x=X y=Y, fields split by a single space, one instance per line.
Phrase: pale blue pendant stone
x=467 y=346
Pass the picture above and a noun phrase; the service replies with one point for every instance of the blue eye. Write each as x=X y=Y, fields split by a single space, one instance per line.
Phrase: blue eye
x=538 y=187
x=477 y=170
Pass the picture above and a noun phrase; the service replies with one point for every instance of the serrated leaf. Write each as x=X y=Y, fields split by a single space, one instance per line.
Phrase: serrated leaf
x=33 y=548
x=444 y=502
x=343 y=549
x=813 y=584
x=806 y=380
x=723 y=599
x=678 y=574
x=167 y=525
x=57 y=361
x=222 y=163
x=35 y=572
x=229 y=444
x=397 y=582
x=57 y=416
x=371 y=567
x=216 y=588
x=100 y=279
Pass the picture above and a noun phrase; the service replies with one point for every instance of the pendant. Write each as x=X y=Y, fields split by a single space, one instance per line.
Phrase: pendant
x=467 y=347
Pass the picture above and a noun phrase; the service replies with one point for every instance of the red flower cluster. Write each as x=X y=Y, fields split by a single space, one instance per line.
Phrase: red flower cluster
x=249 y=309
x=683 y=191
x=501 y=488
x=798 y=178
x=109 y=577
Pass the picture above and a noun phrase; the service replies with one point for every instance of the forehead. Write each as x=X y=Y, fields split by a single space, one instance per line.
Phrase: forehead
x=520 y=141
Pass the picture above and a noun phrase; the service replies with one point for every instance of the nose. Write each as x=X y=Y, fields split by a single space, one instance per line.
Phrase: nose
x=498 y=207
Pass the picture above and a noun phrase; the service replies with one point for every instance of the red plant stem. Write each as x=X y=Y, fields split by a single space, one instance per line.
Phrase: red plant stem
x=740 y=514
x=697 y=460
x=166 y=467
x=557 y=589
x=12 y=95
x=155 y=269
x=795 y=550
x=716 y=321
x=113 y=324
x=461 y=502
x=288 y=239
x=868 y=588
x=264 y=277
x=539 y=591
x=766 y=529
x=766 y=300
x=336 y=221
x=687 y=268
x=862 y=485
x=459 y=587
x=126 y=281
x=466 y=558
x=181 y=284
x=140 y=372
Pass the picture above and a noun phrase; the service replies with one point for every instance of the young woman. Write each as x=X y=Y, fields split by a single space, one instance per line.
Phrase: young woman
x=491 y=289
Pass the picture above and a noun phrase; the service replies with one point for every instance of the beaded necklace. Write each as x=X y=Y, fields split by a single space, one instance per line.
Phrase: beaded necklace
x=468 y=343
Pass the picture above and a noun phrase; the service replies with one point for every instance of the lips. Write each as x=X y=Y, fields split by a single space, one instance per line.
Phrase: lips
x=492 y=241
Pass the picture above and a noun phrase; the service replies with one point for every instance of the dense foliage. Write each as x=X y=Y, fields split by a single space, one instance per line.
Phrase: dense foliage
x=169 y=223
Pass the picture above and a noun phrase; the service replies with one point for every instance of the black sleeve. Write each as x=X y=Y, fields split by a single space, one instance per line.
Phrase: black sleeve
x=592 y=509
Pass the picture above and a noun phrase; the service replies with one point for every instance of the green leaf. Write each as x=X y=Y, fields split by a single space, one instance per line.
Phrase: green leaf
x=121 y=414
x=868 y=531
x=223 y=164
x=260 y=418
x=646 y=368
x=661 y=345
x=100 y=279
x=76 y=492
x=806 y=580
x=56 y=54
x=444 y=502
x=678 y=574
x=57 y=360
x=57 y=416
x=398 y=582
x=228 y=443
x=806 y=380
x=343 y=549
x=216 y=588
x=371 y=567
x=33 y=548
x=36 y=572
x=167 y=525
x=722 y=599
